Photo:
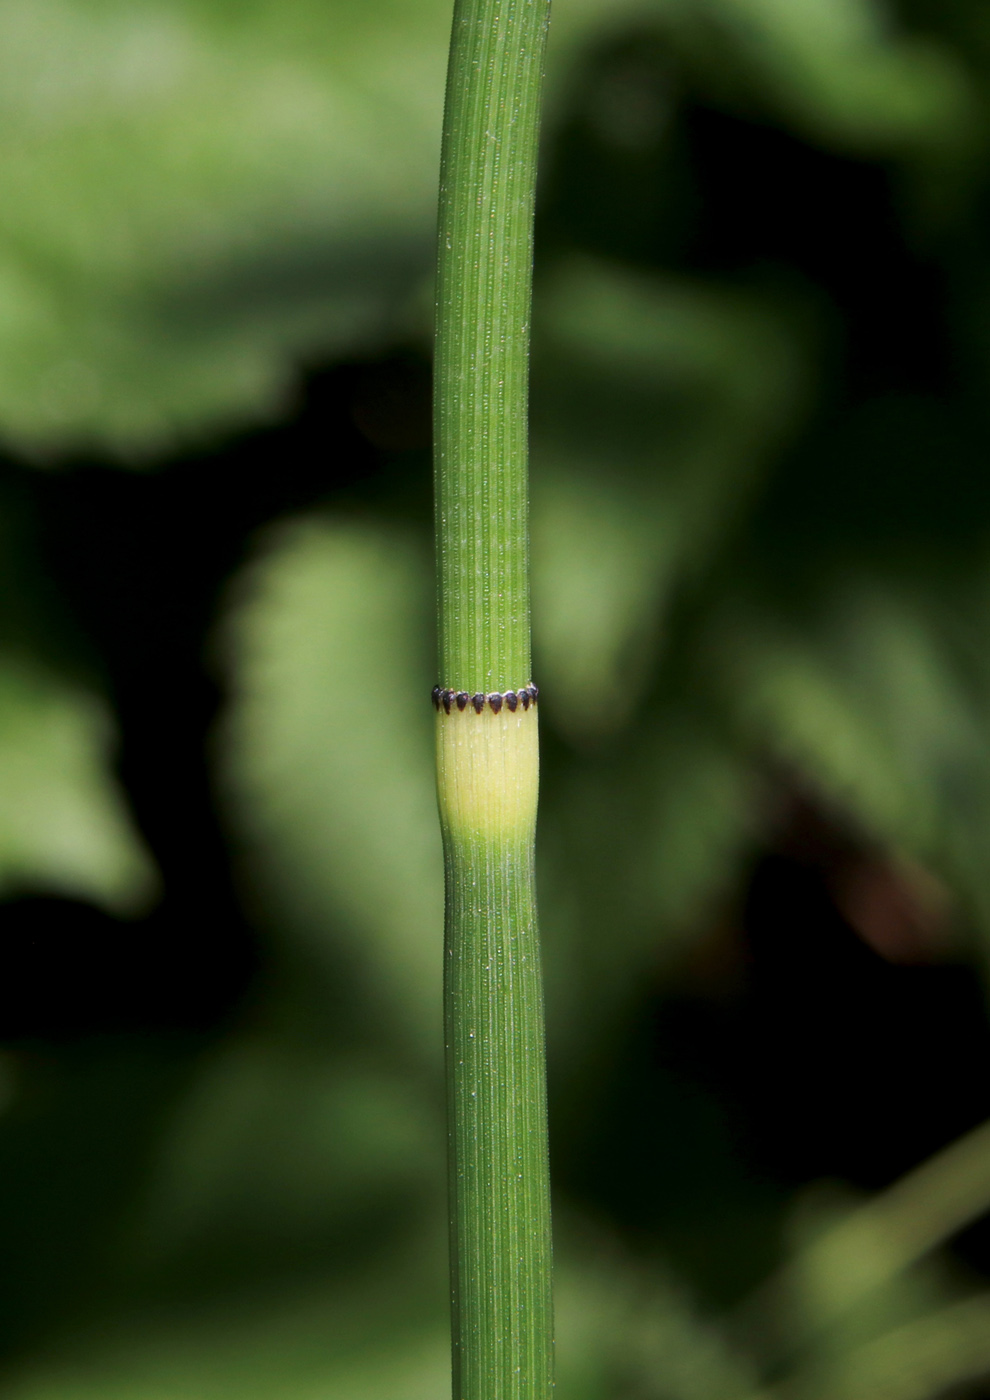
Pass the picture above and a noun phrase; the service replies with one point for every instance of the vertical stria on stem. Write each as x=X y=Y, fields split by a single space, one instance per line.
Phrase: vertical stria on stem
x=487 y=755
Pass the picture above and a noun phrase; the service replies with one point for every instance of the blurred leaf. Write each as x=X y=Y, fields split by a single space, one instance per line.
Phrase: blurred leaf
x=196 y=195
x=63 y=824
x=628 y=1329
x=663 y=404
x=357 y=1342
x=328 y=755
x=864 y=697
x=838 y=71
x=283 y=1156
x=646 y=842
x=866 y=1248
x=927 y=1357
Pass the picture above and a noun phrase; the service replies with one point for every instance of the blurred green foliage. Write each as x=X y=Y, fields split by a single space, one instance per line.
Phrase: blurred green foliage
x=761 y=548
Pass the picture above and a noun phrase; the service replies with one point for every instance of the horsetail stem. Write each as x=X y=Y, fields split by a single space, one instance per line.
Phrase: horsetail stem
x=487 y=756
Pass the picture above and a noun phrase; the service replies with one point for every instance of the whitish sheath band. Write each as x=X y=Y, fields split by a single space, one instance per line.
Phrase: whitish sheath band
x=488 y=764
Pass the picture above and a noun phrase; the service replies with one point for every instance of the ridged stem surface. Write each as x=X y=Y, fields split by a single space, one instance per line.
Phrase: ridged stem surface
x=487 y=754
x=487 y=183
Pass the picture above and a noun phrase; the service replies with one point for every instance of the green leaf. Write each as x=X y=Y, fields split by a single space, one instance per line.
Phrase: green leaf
x=661 y=402
x=865 y=695
x=64 y=828
x=286 y=1153
x=327 y=752
x=195 y=196
x=198 y=197
x=837 y=71
x=358 y=1341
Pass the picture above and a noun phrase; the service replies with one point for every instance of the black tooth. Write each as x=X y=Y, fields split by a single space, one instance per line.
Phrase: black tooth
x=534 y=690
x=512 y=700
x=436 y=697
x=478 y=701
x=461 y=699
x=495 y=700
x=446 y=698
x=525 y=697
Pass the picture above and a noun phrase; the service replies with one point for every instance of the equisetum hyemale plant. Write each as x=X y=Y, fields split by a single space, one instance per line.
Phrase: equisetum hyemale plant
x=487 y=756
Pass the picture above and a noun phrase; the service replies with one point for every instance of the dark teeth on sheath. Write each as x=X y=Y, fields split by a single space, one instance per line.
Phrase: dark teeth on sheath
x=511 y=699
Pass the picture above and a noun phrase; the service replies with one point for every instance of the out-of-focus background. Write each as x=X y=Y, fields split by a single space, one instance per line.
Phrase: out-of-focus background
x=761 y=496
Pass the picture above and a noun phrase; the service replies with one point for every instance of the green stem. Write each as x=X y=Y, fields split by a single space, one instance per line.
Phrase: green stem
x=487 y=751
x=487 y=184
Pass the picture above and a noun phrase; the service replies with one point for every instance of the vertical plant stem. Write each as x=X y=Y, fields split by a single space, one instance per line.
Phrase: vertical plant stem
x=487 y=755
